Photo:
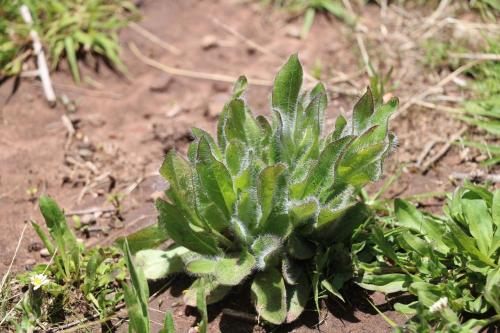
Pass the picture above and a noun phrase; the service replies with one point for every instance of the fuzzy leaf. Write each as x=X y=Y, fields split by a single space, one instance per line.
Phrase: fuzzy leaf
x=157 y=264
x=269 y=296
x=214 y=292
x=266 y=249
x=270 y=191
x=362 y=112
x=297 y=298
x=286 y=92
x=181 y=231
x=232 y=271
x=215 y=178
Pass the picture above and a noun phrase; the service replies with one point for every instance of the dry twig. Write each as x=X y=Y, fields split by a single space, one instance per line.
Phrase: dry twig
x=192 y=74
x=427 y=165
x=154 y=39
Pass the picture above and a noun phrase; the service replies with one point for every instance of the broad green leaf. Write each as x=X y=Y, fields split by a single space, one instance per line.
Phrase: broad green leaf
x=464 y=242
x=214 y=292
x=387 y=283
x=323 y=171
x=182 y=232
x=232 y=271
x=480 y=223
x=202 y=266
x=146 y=238
x=362 y=112
x=297 y=298
x=304 y=212
x=270 y=191
x=492 y=288
x=199 y=133
x=215 y=179
x=269 y=296
x=179 y=174
x=286 y=91
x=158 y=264
x=408 y=216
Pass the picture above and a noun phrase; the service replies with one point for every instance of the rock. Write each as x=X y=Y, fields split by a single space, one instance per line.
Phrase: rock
x=174 y=111
x=30 y=262
x=161 y=83
x=44 y=253
x=209 y=42
x=293 y=31
x=87 y=219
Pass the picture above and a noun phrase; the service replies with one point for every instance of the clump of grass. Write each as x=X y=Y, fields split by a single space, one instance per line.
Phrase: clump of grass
x=68 y=29
x=309 y=8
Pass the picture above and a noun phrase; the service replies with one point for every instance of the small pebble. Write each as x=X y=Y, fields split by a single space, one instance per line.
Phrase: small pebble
x=44 y=253
x=208 y=42
x=29 y=263
x=161 y=83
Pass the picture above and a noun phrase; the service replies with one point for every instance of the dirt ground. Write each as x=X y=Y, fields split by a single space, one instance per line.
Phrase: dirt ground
x=123 y=125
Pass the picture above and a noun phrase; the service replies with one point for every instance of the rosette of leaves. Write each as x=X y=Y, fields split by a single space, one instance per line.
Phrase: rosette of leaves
x=257 y=203
x=455 y=257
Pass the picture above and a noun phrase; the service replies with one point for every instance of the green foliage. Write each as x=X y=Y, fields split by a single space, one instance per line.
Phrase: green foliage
x=74 y=273
x=137 y=297
x=267 y=197
x=453 y=260
x=309 y=8
x=67 y=28
x=484 y=110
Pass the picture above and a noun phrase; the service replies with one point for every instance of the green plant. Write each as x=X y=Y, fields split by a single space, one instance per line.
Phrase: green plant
x=266 y=200
x=136 y=298
x=67 y=28
x=450 y=263
x=75 y=275
x=483 y=111
x=309 y=8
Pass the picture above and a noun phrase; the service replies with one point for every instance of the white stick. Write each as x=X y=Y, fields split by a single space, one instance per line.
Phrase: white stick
x=43 y=70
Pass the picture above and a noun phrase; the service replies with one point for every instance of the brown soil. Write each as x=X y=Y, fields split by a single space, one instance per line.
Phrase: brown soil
x=124 y=125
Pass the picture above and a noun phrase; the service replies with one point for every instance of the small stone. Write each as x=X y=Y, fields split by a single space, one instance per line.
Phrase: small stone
x=193 y=330
x=293 y=31
x=44 y=253
x=87 y=219
x=208 y=42
x=85 y=153
x=29 y=263
x=161 y=83
x=174 y=111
